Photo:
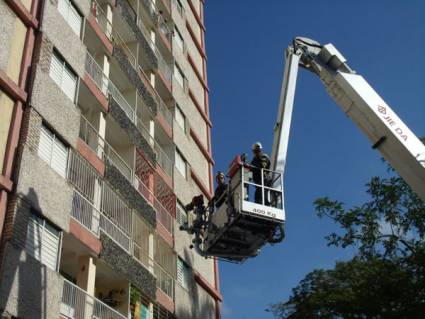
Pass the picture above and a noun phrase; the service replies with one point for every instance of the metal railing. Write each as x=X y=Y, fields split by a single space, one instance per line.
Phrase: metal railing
x=164 y=281
x=161 y=157
x=77 y=303
x=106 y=86
x=113 y=157
x=85 y=213
x=91 y=137
x=83 y=177
x=111 y=33
x=163 y=216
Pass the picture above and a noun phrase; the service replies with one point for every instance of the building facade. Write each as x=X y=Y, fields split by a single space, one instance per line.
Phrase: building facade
x=104 y=136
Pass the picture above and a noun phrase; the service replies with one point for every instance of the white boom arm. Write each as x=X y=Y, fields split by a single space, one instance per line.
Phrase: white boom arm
x=387 y=133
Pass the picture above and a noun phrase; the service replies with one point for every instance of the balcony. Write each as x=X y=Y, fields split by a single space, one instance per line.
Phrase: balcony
x=104 y=151
x=99 y=209
x=105 y=85
x=77 y=304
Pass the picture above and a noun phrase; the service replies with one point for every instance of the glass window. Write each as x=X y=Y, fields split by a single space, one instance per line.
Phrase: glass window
x=42 y=241
x=53 y=151
x=64 y=77
x=178 y=75
x=180 y=118
x=181 y=215
x=71 y=15
x=183 y=273
x=178 y=39
x=181 y=164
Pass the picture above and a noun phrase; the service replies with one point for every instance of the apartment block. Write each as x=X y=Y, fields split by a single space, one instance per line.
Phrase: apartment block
x=104 y=137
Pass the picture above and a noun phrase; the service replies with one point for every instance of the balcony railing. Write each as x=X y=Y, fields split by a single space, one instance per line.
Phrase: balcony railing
x=91 y=137
x=164 y=281
x=162 y=214
x=77 y=304
x=106 y=86
x=102 y=148
x=110 y=32
x=161 y=157
x=115 y=218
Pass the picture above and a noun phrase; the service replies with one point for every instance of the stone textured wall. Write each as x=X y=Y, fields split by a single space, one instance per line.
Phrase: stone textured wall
x=121 y=262
x=132 y=196
x=55 y=107
x=28 y=289
x=131 y=19
x=135 y=136
x=48 y=192
x=134 y=78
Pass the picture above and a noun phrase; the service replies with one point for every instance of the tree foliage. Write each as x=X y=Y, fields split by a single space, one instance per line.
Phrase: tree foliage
x=386 y=278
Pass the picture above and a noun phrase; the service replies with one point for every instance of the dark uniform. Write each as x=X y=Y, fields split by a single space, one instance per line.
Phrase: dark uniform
x=220 y=195
x=262 y=161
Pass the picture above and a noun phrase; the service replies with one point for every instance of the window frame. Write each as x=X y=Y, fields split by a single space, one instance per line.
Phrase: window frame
x=179 y=155
x=54 y=142
x=69 y=5
x=64 y=66
x=181 y=75
x=181 y=214
x=179 y=38
x=186 y=274
x=39 y=221
x=180 y=117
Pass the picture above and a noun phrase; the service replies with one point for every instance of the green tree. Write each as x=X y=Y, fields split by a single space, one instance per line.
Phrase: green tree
x=386 y=278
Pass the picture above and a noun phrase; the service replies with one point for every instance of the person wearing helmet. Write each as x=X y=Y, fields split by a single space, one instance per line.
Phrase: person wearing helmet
x=260 y=161
x=220 y=194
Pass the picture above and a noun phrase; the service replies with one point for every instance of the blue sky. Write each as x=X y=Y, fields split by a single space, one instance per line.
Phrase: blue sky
x=382 y=40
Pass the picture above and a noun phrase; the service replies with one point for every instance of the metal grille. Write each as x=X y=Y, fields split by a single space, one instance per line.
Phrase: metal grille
x=76 y=303
x=83 y=176
x=85 y=213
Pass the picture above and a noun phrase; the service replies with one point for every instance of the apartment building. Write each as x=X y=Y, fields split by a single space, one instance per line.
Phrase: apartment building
x=104 y=136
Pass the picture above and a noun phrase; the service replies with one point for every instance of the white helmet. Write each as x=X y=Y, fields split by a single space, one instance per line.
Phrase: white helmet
x=257 y=146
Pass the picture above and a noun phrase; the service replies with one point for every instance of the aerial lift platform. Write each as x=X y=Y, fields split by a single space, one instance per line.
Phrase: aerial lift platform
x=240 y=227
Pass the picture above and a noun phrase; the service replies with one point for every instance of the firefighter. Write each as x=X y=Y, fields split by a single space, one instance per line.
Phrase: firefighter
x=220 y=194
x=260 y=161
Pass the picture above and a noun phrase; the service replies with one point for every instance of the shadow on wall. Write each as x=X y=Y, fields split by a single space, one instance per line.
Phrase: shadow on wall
x=199 y=307
x=23 y=278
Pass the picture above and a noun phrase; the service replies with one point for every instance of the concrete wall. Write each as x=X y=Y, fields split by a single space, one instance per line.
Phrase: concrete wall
x=55 y=107
x=196 y=121
x=28 y=289
x=194 y=302
x=191 y=152
x=47 y=191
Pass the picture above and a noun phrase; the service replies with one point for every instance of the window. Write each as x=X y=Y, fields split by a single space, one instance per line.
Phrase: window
x=62 y=74
x=181 y=163
x=53 y=151
x=71 y=15
x=181 y=215
x=180 y=118
x=178 y=39
x=183 y=273
x=179 y=6
x=178 y=75
x=43 y=241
